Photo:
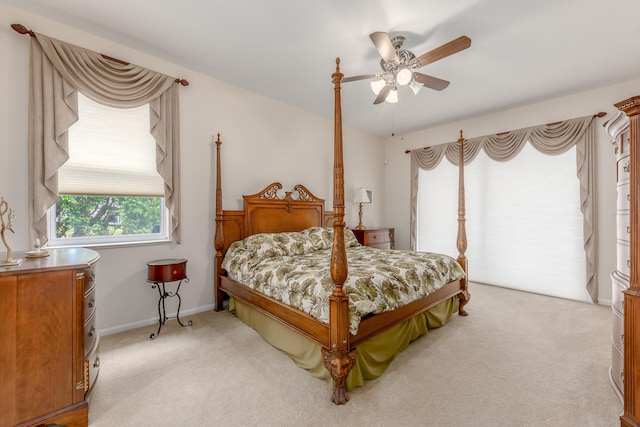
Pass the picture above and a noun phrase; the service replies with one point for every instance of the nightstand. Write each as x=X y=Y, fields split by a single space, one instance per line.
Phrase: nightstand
x=159 y=272
x=381 y=238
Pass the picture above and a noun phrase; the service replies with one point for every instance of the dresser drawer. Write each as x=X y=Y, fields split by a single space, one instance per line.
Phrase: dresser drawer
x=92 y=364
x=89 y=303
x=381 y=238
x=623 y=259
x=624 y=197
x=90 y=333
x=617 y=368
x=624 y=145
x=377 y=237
x=618 y=285
x=617 y=330
x=624 y=168
x=166 y=270
x=90 y=278
x=623 y=232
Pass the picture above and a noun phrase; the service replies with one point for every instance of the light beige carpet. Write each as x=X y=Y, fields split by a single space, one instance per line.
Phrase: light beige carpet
x=518 y=359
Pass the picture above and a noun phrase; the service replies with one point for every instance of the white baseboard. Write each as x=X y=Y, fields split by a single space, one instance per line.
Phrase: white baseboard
x=152 y=321
x=604 y=302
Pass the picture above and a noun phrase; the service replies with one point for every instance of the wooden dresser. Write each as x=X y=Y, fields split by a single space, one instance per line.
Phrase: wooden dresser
x=48 y=339
x=381 y=238
x=618 y=128
x=631 y=330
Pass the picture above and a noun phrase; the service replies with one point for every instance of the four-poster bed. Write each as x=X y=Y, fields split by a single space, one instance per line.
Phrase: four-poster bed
x=334 y=343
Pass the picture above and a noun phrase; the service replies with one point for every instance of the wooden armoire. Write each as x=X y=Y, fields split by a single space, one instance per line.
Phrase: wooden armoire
x=631 y=414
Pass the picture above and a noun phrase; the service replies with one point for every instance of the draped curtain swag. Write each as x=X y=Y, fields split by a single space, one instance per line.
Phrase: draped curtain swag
x=58 y=70
x=549 y=139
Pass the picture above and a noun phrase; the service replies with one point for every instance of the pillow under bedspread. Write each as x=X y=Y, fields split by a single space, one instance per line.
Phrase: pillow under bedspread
x=377 y=281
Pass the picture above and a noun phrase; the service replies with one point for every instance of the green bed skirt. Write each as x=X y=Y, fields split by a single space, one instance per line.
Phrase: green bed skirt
x=374 y=355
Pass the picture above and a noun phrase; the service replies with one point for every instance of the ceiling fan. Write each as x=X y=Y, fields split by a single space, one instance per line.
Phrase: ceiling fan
x=399 y=65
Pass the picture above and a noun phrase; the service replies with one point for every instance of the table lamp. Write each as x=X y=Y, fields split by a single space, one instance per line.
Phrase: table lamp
x=362 y=196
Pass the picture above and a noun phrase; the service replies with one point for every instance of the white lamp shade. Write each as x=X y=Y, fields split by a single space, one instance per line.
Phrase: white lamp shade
x=377 y=85
x=362 y=195
x=392 y=98
x=415 y=87
x=404 y=77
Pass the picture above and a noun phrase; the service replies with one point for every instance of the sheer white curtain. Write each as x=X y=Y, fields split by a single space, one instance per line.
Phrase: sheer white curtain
x=552 y=140
x=524 y=224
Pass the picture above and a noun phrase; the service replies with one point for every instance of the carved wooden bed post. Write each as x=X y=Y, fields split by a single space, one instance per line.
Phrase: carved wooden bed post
x=461 y=241
x=219 y=237
x=340 y=358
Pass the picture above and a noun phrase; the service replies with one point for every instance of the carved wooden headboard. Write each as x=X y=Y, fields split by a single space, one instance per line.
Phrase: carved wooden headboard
x=274 y=210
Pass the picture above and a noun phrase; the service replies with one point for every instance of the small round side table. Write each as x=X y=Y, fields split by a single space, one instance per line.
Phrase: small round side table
x=160 y=272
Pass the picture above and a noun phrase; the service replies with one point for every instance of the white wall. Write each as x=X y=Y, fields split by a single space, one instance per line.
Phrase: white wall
x=263 y=141
x=576 y=105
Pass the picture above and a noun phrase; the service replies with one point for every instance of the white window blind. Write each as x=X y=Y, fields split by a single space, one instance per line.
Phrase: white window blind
x=111 y=153
x=524 y=224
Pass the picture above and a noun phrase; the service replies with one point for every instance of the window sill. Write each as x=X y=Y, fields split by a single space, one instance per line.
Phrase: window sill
x=106 y=245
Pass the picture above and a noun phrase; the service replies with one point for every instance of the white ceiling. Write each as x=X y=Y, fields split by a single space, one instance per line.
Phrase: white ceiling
x=522 y=51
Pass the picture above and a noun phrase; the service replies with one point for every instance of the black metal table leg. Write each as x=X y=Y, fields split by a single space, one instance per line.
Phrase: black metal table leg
x=162 y=310
x=190 y=322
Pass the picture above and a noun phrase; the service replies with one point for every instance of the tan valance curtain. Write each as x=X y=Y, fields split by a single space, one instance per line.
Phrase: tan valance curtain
x=549 y=139
x=58 y=71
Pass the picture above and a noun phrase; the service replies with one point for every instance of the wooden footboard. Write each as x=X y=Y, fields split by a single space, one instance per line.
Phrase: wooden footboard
x=291 y=317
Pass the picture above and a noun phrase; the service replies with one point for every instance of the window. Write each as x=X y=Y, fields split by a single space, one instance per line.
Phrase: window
x=524 y=224
x=109 y=189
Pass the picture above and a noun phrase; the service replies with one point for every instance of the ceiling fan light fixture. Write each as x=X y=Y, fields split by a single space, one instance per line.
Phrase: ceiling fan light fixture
x=392 y=98
x=415 y=87
x=404 y=76
x=377 y=85
x=398 y=66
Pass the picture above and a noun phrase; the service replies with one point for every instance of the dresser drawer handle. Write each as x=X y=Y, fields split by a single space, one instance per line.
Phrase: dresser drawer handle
x=92 y=303
x=628 y=229
x=96 y=363
x=622 y=338
x=626 y=167
x=629 y=263
x=92 y=331
x=622 y=377
x=628 y=197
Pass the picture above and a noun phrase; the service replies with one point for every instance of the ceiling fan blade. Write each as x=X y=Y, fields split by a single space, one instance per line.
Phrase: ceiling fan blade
x=361 y=77
x=383 y=43
x=382 y=95
x=454 y=46
x=430 y=81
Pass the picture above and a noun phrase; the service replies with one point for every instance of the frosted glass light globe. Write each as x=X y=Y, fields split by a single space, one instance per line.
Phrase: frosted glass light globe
x=403 y=77
x=392 y=98
x=377 y=85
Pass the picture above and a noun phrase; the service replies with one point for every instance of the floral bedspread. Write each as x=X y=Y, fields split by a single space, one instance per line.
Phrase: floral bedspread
x=295 y=268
